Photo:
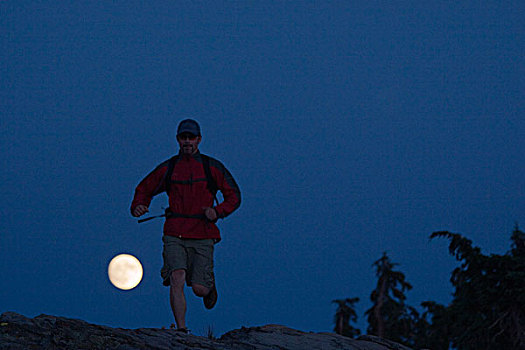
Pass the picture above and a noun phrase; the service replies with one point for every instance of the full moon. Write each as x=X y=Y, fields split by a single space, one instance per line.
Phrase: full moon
x=125 y=271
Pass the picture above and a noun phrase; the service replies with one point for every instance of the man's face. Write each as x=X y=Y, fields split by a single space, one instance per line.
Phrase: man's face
x=188 y=143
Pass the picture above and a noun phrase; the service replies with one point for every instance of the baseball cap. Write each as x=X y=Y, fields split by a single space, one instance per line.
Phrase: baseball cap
x=189 y=125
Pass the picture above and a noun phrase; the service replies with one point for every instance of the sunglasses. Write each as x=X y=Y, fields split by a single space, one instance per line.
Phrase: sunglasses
x=186 y=136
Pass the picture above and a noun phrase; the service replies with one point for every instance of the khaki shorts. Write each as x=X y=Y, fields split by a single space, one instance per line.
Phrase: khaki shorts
x=193 y=255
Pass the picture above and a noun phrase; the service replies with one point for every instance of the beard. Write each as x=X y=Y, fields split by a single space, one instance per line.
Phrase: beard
x=188 y=149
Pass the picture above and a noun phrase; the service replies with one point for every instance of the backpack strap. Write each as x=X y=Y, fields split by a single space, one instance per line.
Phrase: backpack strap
x=171 y=165
x=212 y=185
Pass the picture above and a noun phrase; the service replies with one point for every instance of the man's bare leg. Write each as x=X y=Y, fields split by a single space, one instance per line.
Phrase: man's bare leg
x=177 y=299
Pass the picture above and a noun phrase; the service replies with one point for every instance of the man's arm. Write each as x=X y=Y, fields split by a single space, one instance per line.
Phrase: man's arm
x=149 y=187
x=228 y=187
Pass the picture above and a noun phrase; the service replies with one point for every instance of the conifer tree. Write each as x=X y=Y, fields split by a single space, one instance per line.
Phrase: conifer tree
x=432 y=328
x=389 y=317
x=344 y=316
x=488 y=306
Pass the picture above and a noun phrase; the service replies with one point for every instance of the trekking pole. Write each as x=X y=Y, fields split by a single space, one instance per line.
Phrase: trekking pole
x=151 y=217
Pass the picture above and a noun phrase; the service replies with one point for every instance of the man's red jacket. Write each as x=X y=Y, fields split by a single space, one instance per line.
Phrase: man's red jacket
x=188 y=194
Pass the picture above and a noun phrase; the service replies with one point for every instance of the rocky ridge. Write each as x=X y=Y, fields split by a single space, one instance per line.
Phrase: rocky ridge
x=52 y=332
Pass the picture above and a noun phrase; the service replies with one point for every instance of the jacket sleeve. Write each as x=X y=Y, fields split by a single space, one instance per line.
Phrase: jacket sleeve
x=150 y=186
x=229 y=189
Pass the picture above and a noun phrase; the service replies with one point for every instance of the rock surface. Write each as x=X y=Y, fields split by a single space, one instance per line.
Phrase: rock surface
x=51 y=332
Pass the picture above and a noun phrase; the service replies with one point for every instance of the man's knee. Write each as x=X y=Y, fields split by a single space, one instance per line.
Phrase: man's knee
x=178 y=278
x=200 y=290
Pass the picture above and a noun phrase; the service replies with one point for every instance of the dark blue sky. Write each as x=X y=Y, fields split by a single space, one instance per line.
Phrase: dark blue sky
x=352 y=128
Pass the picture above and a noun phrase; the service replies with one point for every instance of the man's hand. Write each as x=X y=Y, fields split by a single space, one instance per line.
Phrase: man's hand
x=210 y=213
x=140 y=210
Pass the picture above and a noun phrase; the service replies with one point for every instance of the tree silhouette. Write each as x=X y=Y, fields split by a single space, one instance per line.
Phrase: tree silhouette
x=344 y=315
x=389 y=317
x=432 y=328
x=488 y=308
